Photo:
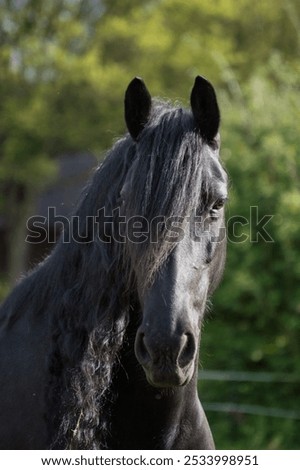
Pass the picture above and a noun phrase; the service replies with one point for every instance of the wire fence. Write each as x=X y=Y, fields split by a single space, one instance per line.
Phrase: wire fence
x=259 y=377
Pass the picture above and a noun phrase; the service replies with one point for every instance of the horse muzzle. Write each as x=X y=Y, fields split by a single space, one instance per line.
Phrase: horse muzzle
x=167 y=361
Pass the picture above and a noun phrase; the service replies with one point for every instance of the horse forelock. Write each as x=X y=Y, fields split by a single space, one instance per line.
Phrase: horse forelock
x=169 y=174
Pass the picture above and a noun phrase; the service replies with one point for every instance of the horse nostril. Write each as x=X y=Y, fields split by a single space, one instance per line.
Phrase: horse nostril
x=141 y=351
x=187 y=351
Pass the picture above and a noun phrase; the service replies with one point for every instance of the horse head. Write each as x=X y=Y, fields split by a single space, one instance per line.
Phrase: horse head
x=176 y=187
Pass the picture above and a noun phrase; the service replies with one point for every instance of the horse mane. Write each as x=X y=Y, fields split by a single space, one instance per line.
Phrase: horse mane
x=85 y=289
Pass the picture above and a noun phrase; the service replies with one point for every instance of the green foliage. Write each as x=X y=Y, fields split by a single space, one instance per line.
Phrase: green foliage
x=64 y=66
x=261 y=141
x=257 y=307
x=4 y=288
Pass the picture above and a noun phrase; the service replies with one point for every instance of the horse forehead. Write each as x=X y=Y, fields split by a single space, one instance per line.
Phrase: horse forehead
x=218 y=177
x=215 y=167
x=217 y=170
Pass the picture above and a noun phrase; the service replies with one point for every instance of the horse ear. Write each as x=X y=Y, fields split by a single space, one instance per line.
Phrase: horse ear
x=137 y=107
x=205 y=108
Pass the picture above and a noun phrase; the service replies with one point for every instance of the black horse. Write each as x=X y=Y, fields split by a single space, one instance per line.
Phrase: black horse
x=99 y=344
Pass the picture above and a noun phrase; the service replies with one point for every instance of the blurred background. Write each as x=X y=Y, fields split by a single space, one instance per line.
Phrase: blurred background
x=64 y=66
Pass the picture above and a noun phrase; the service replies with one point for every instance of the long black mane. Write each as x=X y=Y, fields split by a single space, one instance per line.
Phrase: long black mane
x=87 y=290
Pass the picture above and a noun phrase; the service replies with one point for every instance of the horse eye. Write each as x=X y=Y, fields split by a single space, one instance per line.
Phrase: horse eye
x=216 y=207
x=218 y=204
